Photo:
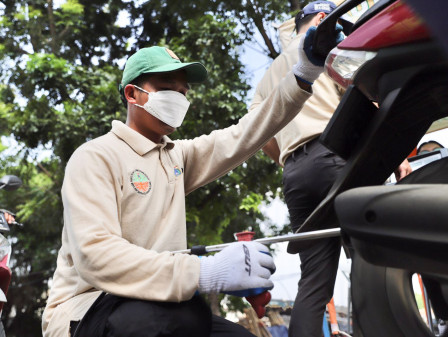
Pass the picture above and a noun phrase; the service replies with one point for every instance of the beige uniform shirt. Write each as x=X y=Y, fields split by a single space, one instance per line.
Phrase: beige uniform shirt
x=124 y=209
x=315 y=113
x=286 y=32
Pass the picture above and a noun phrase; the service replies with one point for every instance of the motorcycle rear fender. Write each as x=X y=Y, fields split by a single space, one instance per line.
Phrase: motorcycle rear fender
x=398 y=226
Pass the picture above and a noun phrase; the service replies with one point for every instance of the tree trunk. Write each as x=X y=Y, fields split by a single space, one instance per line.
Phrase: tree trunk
x=258 y=21
x=294 y=5
x=52 y=26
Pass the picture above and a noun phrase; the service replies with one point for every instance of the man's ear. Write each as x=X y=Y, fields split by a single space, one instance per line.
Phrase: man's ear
x=130 y=93
x=318 y=18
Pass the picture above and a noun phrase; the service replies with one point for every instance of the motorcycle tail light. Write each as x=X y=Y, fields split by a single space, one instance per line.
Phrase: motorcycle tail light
x=342 y=65
x=5 y=247
x=395 y=25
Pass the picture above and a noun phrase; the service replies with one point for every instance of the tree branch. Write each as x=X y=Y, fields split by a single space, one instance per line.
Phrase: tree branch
x=258 y=21
x=52 y=26
x=44 y=169
x=12 y=45
x=63 y=33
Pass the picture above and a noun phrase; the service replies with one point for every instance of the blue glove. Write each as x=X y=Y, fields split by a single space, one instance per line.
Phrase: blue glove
x=319 y=60
x=247 y=292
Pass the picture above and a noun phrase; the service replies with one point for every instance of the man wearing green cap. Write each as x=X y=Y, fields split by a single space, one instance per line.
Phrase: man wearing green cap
x=124 y=211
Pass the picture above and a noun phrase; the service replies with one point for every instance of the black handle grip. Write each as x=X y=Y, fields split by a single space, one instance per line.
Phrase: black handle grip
x=199 y=250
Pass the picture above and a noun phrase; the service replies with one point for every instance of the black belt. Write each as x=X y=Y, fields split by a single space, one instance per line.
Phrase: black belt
x=305 y=147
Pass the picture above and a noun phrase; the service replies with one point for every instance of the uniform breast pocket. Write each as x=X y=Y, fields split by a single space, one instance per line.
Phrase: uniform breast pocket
x=136 y=206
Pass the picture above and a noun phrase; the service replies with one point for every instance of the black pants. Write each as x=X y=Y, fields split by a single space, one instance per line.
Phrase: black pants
x=308 y=175
x=114 y=316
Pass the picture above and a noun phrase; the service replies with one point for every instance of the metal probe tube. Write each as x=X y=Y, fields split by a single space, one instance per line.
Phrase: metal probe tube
x=320 y=234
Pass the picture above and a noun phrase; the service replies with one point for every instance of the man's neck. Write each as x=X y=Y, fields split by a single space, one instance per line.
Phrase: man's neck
x=304 y=29
x=152 y=136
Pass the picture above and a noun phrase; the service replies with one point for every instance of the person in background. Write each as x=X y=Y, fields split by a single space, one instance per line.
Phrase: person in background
x=429 y=146
x=10 y=219
x=309 y=170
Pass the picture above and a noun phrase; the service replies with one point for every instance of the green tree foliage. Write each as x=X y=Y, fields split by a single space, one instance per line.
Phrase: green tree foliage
x=60 y=64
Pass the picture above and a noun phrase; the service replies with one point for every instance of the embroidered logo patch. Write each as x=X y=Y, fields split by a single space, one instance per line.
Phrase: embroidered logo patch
x=177 y=171
x=140 y=182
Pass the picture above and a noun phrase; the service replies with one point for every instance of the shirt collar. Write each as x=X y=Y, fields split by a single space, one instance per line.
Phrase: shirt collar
x=137 y=141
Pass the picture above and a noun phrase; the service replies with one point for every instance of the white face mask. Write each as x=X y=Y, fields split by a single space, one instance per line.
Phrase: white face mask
x=167 y=105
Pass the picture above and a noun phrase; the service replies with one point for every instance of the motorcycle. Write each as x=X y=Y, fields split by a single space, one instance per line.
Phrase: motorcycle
x=7 y=183
x=396 y=78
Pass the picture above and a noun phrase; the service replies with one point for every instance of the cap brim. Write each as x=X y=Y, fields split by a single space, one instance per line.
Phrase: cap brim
x=196 y=72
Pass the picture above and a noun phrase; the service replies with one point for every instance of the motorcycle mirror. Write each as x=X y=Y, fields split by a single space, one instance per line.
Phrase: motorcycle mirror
x=10 y=183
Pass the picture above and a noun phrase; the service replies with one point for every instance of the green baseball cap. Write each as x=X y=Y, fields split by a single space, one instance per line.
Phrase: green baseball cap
x=159 y=60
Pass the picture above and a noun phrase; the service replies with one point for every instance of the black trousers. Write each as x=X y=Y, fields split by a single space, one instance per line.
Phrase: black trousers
x=114 y=316
x=308 y=175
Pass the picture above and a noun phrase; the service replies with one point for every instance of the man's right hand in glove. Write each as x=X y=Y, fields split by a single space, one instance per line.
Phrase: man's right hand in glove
x=310 y=65
x=240 y=266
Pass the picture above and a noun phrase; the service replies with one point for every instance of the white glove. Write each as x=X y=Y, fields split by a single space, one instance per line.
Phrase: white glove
x=241 y=265
x=304 y=68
